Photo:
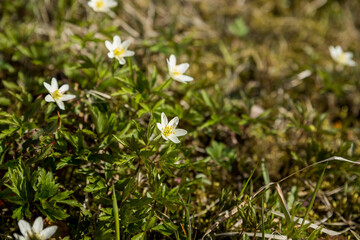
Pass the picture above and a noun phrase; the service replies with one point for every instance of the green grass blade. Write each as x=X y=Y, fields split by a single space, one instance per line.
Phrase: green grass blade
x=266 y=178
x=187 y=216
x=131 y=71
x=247 y=182
x=314 y=195
x=116 y=215
x=262 y=218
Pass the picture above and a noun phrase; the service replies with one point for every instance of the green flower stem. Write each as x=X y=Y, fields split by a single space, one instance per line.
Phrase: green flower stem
x=131 y=71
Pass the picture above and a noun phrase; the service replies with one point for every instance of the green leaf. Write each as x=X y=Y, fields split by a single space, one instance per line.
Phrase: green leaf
x=43 y=154
x=116 y=215
x=10 y=85
x=100 y=119
x=17 y=213
x=98 y=185
x=8 y=132
x=72 y=203
x=54 y=213
x=140 y=236
x=166 y=229
x=69 y=138
x=46 y=186
x=61 y=196
x=239 y=28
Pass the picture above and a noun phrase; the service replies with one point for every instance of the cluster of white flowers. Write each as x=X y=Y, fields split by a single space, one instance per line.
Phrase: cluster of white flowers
x=119 y=50
x=36 y=231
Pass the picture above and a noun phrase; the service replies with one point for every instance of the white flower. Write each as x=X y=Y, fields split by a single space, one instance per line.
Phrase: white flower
x=343 y=58
x=102 y=5
x=36 y=231
x=57 y=94
x=118 y=49
x=177 y=71
x=168 y=129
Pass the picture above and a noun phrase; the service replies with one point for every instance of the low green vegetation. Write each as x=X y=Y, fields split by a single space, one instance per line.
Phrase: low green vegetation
x=257 y=139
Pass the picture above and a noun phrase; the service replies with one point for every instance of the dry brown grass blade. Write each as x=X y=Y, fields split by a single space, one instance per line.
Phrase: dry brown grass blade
x=357 y=236
x=283 y=203
x=267 y=235
x=223 y=218
x=312 y=225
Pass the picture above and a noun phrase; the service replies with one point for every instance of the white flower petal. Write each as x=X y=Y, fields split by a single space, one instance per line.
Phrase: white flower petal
x=18 y=237
x=159 y=126
x=54 y=84
x=117 y=41
x=122 y=61
x=67 y=97
x=183 y=78
x=111 y=55
x=174 y=122
x=108 y=45
x=48 y=87
x=112 y=4
x=38 y=225
x=351 y=63
x=180 y=132
x=164 y=137
x=174 y=139
x=348 y=55
x=338 y=50
x=164 y=120
x=92 y=5
x=182 y=67
x=25 y=227
x=169 y=66
x=48 y=232
x=64 y=88
x=172 y=61
x=61 y=105
x=126 y=44
x=331 y=50
x=128 y=53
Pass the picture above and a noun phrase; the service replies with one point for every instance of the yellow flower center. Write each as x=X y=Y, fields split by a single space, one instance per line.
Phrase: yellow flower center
x=119 y=51
x=169 y=130
x=176 y=72
x=99 y=3
x=342 y=58
x=35 y=236
x=57 y=95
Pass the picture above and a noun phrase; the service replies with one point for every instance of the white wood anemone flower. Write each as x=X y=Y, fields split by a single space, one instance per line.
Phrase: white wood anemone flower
x=102 y=5
x=168 y=129
x=118 y=49
x=57 y=94
x=341 y=57
x=36 y=231
x=177 y=71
